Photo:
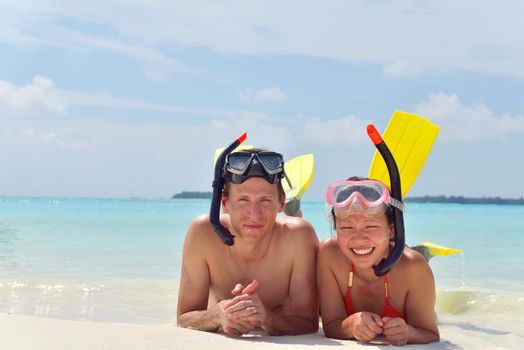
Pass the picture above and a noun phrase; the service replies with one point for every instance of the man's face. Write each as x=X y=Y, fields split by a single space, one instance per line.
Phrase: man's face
x=253 y=207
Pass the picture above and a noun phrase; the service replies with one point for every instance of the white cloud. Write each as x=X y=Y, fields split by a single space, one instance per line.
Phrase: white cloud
x=42 y=96
x=342 y=131
x=24 y=28
x=39 y=96
x=157 y=66
x=405 y=37
x=105 y=100
x=402 y=69
x=44 y=138
x=459 y=122
x=271 y=94
x=93 y=157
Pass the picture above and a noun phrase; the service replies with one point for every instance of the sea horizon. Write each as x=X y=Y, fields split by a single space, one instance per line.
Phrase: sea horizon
x=306 y=199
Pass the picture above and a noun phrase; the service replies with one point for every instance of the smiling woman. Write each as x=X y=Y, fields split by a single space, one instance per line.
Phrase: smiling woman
x=355 y=302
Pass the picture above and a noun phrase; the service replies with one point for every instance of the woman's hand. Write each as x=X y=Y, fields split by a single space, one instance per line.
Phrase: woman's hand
x=396 y=330
x=366 y=326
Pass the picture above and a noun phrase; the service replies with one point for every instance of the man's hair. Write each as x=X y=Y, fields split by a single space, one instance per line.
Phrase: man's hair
x=227 y=181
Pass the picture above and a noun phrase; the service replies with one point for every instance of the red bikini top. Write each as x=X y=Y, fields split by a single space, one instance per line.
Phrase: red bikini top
x=387 y=311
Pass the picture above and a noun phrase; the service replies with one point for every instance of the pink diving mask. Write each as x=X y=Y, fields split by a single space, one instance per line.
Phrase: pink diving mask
x=360 y=196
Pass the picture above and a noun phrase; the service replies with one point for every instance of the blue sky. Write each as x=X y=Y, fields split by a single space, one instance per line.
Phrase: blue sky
x=110 y=99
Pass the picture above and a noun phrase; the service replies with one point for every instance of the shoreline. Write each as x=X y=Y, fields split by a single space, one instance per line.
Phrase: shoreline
x=31 y=332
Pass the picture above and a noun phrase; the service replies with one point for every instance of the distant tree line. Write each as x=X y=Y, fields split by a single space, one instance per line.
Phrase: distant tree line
x=424 y=199
x=193 y=195
x=465 y=200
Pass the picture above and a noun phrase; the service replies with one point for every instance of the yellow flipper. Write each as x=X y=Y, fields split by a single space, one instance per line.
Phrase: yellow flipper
x=409 y=138
x=438 y=250
x=299 y=170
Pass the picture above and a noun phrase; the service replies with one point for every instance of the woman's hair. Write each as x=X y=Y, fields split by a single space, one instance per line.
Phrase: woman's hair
x=389 y=210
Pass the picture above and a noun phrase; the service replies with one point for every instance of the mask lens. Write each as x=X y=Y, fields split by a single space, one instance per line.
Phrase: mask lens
x=272 y=162
x=343 y=193
x=369 y=193
x=238 y=162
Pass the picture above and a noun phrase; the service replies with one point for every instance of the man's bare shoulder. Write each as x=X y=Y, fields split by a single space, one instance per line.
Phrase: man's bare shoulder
x=200 y=231
x=297 y=229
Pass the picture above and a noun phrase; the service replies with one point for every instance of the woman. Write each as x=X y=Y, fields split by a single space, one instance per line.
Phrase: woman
x=354 y=302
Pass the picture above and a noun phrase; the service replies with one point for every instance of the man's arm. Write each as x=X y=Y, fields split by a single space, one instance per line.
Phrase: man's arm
x=193 y=292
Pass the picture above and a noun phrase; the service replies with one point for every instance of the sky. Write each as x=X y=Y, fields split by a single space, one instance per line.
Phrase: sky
x=119 y=99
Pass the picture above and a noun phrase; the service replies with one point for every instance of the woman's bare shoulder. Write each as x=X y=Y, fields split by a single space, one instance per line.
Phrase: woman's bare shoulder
x=329 y=250
x=329 y=244
x=413 y=264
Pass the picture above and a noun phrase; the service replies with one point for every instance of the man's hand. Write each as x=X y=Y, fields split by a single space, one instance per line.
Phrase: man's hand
x=247 y=306
x=366 y=326
x=231 y=325
x=396 y=330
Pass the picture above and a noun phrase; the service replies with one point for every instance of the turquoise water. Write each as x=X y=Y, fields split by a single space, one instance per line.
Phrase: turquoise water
x=119 y=260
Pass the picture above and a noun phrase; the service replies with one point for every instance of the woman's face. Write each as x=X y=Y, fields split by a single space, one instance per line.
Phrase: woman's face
x=364 y=239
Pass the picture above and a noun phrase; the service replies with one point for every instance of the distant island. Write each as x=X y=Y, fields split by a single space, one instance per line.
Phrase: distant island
x=192 y=195
x=424 y=199
x=465 y=200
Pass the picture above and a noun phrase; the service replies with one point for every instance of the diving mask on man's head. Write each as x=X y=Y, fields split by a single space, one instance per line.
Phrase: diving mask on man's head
x=240 y=166
x=360 y=197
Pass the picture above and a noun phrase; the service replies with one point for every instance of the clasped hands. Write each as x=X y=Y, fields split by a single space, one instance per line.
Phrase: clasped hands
x=244 y=312
x=367 y=325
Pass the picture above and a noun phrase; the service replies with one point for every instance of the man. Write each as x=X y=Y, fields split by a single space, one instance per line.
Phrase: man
x=266 y=280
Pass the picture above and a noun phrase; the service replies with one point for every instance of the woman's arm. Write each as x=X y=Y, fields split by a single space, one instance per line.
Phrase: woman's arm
x=420 y=302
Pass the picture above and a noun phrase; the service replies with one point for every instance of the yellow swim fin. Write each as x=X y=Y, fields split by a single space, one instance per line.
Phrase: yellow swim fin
x=299 y=170
x=438 y=250
x=410 y=138
x=429 y=250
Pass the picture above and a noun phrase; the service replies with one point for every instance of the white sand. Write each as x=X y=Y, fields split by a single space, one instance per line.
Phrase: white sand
x=27 y=332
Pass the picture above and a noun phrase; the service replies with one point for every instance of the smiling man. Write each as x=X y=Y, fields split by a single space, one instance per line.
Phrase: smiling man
x=266 y=280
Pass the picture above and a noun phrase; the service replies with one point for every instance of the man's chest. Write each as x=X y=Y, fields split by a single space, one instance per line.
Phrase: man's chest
x=273 y=280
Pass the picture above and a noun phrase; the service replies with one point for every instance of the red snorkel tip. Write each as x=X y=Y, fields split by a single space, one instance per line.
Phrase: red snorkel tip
x=242 y=137
x=374 y=135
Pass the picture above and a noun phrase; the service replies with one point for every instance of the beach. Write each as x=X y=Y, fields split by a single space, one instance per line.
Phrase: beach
x=24 y=332
x=103 y=274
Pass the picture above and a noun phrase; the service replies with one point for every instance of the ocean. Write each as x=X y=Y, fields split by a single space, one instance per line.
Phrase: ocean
x=115 y=260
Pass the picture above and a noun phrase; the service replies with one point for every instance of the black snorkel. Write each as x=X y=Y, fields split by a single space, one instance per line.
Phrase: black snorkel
x=218 y=185
x=385 y=265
